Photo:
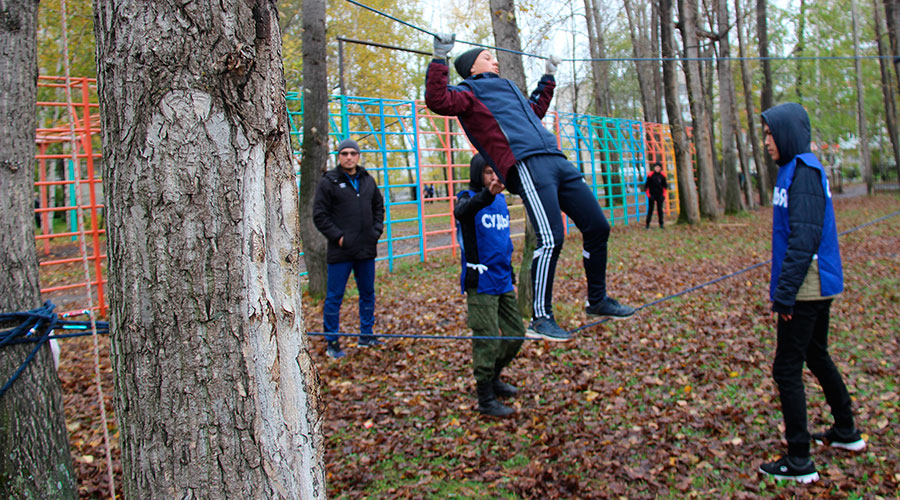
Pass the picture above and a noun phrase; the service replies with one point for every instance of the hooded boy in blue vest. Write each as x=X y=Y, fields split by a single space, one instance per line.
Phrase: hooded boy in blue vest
x=806 y=277
x=482 y=220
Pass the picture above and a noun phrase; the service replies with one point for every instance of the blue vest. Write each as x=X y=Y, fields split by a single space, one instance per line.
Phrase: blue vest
x=829 y=256
x=494 y=249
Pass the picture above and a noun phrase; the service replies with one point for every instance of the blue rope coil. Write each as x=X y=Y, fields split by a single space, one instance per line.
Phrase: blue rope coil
x=37 y=326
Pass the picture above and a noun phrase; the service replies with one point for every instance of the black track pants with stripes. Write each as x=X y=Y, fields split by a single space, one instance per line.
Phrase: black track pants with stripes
x=550 y=185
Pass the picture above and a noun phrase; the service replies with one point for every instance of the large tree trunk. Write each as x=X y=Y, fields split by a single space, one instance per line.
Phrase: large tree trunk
x=216 y=394
x=689 y=211
x=727 y=114
x=314 y=157
x=865 y=162
x=761 y=170
x=766 y=98
x=506 y=35
x=34 y=446
x=887 y=87
x=687 y=10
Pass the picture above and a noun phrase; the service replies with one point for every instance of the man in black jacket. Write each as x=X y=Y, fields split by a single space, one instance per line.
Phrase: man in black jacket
x=806 y=276
x=655 y=187
x=349 y=211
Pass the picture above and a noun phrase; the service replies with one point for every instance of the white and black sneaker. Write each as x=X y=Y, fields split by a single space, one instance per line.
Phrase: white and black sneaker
x=610 y=307
x=801 y=470
x=838 y=438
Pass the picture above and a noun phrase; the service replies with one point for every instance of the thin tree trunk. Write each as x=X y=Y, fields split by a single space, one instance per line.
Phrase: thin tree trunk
x=762 y=171
x=34 y=449
x=506 y=35
x=599 y=69
x=658 y=92
x=216 y=394
x=689 y=210
x=314 y=158
x=864 y=159
x=887 y=87
x=728 y=118
x=687 y=10
x=640 y=49
x=766 y=98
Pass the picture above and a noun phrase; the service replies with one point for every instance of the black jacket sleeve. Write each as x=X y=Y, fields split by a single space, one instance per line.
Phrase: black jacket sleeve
x=467 y=207
x=378 y=210
x=806 y=217
x=322 y=210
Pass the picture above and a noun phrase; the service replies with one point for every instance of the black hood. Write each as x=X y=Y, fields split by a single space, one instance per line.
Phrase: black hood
x=476 y=167
x=789 y=124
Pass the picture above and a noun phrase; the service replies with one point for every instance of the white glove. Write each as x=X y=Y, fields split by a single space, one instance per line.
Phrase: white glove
x=552 y=63
x=443 y=43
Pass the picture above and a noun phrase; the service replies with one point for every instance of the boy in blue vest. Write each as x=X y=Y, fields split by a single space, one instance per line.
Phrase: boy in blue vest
x=482 y=220
x=506 y=129
x=806 y=276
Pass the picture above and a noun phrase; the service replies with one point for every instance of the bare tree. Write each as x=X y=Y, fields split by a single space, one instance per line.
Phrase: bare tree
x=314 y=158
x=689 y=211
x=506 y=35
x=599 y=68
x=34 y=446
x=766 y=98
x=761 y=171
x=728 y=118
x=865 y=162
x=887 y=87
x=687 y=10
x=638 y=29
x=216 y=394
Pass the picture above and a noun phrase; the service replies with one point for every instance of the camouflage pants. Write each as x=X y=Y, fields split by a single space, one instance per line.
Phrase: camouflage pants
x=491 y=316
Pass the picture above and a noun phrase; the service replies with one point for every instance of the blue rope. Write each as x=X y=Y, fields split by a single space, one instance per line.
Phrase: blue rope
x=621 y=59
x=37 y=320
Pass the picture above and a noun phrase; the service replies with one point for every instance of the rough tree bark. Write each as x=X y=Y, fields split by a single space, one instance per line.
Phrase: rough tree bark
x=314 y=157
x=864 y=159
x=689 y=211
x=216 y=395
x=34 y=445
x=887 y=87
x=728 y=118
x=687 y=11
x=761 y=170
x=766 y=97
x=506 y=35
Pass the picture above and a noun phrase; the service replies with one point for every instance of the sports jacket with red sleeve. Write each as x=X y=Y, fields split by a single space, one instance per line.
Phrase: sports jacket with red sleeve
x=500 y=122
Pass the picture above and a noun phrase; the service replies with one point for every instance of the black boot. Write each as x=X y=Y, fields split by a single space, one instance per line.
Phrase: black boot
x=487 y=401
x=504 y=390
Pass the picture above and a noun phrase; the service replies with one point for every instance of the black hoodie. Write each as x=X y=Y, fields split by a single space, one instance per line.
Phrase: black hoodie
x=790 y=128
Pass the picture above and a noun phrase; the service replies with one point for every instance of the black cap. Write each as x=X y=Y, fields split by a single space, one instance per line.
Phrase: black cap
x=464 y=62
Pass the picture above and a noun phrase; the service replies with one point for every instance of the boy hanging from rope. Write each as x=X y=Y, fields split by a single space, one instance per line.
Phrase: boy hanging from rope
x=487 y=278
x=506 y=129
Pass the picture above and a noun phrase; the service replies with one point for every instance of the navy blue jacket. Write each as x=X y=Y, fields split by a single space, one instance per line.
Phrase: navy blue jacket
x=500 y=122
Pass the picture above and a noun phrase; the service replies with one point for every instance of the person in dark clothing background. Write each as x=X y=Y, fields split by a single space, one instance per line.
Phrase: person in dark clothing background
x=806 y=277
x=349 y=211
x=655 y=187
x=487 y=279
x=506 y=128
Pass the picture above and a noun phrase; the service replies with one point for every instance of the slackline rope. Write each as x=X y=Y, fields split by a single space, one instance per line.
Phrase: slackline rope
x=87 y=273
x=623 y=59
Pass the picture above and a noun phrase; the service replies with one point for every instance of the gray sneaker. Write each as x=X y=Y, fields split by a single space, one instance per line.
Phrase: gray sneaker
x=546 y=328
x=610 y=307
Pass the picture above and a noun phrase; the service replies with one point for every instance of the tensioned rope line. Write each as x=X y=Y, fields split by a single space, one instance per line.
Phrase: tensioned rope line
x=604 y=320
x=624 y=59
x=79 y=213
x=81 y=325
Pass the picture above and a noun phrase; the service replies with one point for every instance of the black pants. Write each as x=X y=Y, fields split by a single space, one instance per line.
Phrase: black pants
x=659 y=209
x=550 y=185
x=805 y=338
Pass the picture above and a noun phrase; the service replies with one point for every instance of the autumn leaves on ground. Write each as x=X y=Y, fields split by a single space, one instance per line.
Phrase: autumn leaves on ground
x=676 y=402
